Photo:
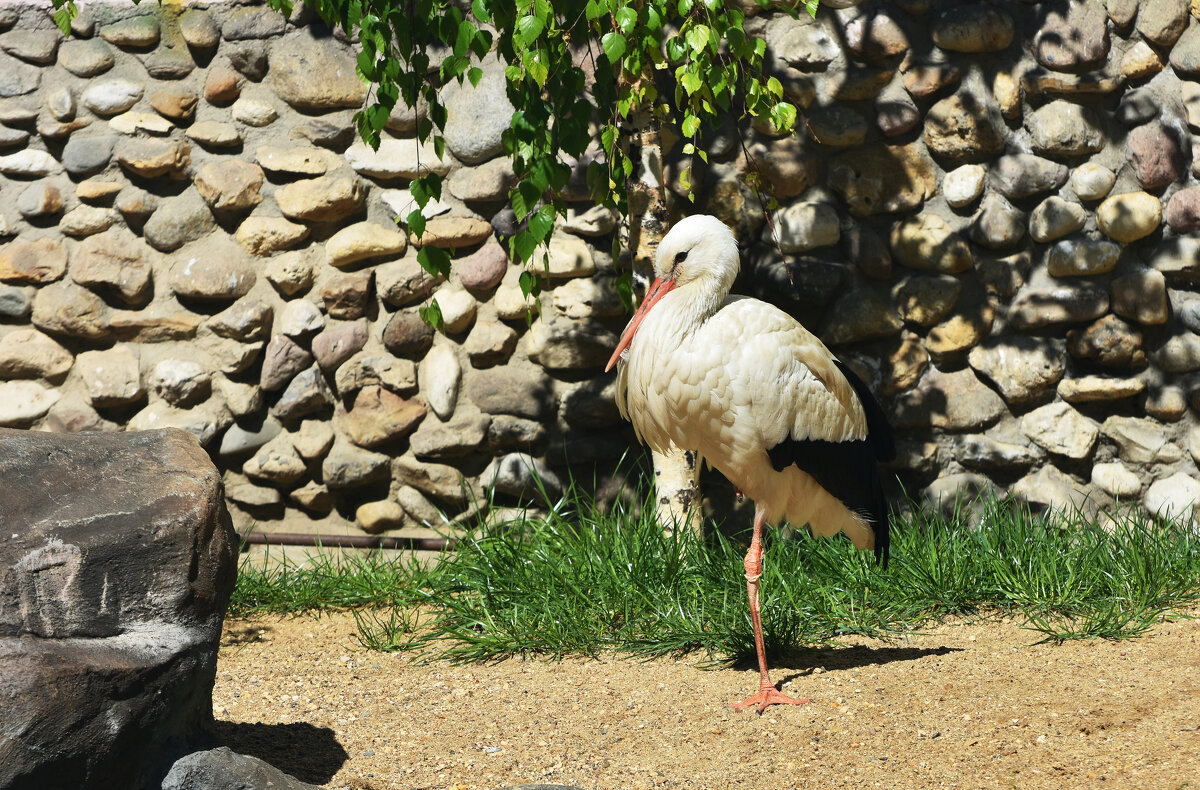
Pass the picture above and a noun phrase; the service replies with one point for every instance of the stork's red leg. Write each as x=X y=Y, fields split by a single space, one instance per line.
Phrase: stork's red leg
x=767 y=693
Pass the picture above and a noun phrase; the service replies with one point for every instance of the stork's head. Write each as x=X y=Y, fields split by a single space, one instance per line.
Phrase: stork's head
x=699 y=251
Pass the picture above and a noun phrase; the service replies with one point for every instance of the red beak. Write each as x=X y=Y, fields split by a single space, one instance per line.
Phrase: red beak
x=658 y=289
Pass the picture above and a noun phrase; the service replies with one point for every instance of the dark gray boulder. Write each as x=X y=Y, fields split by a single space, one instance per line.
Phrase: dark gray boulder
x=117 y=560
x=224 y=769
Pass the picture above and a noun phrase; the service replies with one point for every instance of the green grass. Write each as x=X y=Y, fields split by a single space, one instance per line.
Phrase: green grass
x=580 y=581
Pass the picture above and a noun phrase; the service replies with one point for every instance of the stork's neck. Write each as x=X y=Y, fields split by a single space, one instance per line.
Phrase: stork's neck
x=699 y=300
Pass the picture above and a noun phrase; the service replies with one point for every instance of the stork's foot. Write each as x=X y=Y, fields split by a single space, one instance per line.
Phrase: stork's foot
x=767 y=696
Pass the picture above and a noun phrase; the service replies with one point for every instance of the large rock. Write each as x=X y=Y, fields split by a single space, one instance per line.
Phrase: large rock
x=1021 y=367
x=962 y=127
x=952 y=401
x=116 y=567
x=477 y=116
x=884 y=178
x=295 y=58
x=224 y=767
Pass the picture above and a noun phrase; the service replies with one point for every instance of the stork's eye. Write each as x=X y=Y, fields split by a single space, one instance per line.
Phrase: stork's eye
x=681 y=256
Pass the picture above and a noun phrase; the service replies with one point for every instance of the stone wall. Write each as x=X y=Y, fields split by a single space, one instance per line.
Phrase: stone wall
x=990 y=212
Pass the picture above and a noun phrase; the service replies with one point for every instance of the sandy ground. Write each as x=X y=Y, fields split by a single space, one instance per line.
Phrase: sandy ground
x=966 y=705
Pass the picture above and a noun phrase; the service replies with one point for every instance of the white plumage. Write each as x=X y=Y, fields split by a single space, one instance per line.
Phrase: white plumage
x=756 y=394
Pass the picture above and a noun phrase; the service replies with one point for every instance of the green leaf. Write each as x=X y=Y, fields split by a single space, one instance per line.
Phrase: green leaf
x=536 y=65
x=432 y=316
x=811 y=7
x=475 y=75
x=434 y=260
x=697 y=38
x=522 y=246
x=528 y=283
x=541 y=224
x=613 y=44
x=783 y=115
x=685 y=7
x=691 y=124
x=774 y=87
x=416 y=222
x=626 y=19
x=608 y=138
x=528 y=29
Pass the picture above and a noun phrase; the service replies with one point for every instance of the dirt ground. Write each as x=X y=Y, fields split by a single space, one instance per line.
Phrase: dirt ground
x=975 y=705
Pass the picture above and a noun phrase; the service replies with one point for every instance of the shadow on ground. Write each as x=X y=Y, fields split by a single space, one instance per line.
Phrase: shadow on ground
x=311 y=754
x=832 y=659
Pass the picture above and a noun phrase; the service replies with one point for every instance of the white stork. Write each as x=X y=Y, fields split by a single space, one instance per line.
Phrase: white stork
x=759 y=397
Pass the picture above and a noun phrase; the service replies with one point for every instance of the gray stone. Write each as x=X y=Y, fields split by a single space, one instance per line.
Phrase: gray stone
x=983 y=452
x=963 y=185
x=347 y=466
x=85 y=57
x=439 y=481
x=276 y=462
x=39 y=201
x=214 y=269
x=962 y=127
x=477 y=116
x=1090 y=389
x=305 y=394
x=16 y=77
x=859 y=314
x=1060 y=429
x=29 y=163
x=198 y=29
x=254 y=112
x=1141 y=440
x=300 y=317
x=440 y=375
x=513 y=390
x=1018 y=176
x=1179 y=354
x=178 y=221
x=973 y=28
x=1036 y=308
x=955 y=401
x=252 y=23
x=116 y=595
x=372 y=369
x=836 y=126
x=1022 y=368
x=1141 y=296
x=15 y=302
x=925 y=241
x=1072 y=41
x=65 y=308
x=960 y=497
x=523 y=476
x=111 y=96
x=1116 y=480
x=244 y=438
x=242 y=491
x=1055 y=218
x=117 y=262
x=559 y=343
x=313 y=440
x=181 y=382
x=444 y=440
x=1064 y=129
x=1174 y=497
x=1110 y=342
x=1162 y=21
x=29 y=354
x=805 y=226
x=294 y=58
x=223 y=767
x=997 y=225
x=284 y=358
x=246 y=321
x=337 y=343
x=1185 y=56
x=136 y=32
x=1082 y=258
x=1137 y=107
x=1049 y=489
x=1178 y=259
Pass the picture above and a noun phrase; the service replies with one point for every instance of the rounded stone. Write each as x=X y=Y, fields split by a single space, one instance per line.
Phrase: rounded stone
x=407 y=335
x=1064 y=129
x=963 y=185
x=1157 y=155
x=375 y=517
x=973 y=28
x=1054 y=218
x=1183 y=210
x=1091 y=181
x=110 y=97
x=1129 y=217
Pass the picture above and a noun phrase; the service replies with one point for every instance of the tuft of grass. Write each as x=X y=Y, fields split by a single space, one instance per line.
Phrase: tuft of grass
x=583 y=581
